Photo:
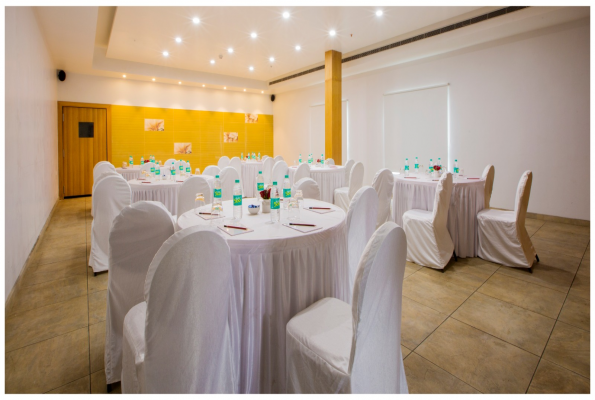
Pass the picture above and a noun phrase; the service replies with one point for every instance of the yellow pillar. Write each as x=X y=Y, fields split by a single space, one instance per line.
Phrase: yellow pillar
x=332 y=106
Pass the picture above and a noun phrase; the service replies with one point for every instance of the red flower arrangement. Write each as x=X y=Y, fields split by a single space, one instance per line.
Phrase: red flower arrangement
x=318 y=160
x=437 y=167
x=266 y=194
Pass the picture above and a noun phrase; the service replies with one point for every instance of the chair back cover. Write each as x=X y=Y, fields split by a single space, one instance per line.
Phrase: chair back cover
x=329 y=161
x=237 y=164
x=361 y=224
x=263 y=158
x=212 y=170
x=488 y=177
x=102 y=173
x=223 y=162
x=376 y=363
x=348 y=166
x=279 y=171
x=136 y=235
x=169 y=162
x=111 y=195
x=309 y=188
x=442 y=200
x=177 y=167
x=521 y=204
x=384 y=183
x=279 y=158
x=187 y=334
x=188 y=191
x=101 y=167
x=267 y=170
x=302 y=171
x=147 y=167
x=228 y=178
x=356 y=179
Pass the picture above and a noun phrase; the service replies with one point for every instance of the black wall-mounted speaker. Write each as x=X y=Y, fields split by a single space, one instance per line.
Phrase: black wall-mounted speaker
x=272 y=97
x=62 y=75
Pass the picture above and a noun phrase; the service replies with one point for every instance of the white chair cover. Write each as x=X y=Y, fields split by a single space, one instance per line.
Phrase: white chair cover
x=223 y=162
x=237 y=164
x=429 y=242
x=309 y=188
x=334 y=348
x=169 y=162
x=278 y=158
x=178 y=340
x=111 y=195
x=503 y=238
x=302 y=171
x=197 y=171
x=488 y=177
x=361 y=224
x=146 y=167
x=188 y=191
x=279 y=171
x=136 y=235
x=329 y=161
x=264 y=158
x=384 y=183
x=212 y=170
x=102 y=173
x=344 y=195
x=101 y=167
x=228 y=178
x=348 y=166
x=267 y=171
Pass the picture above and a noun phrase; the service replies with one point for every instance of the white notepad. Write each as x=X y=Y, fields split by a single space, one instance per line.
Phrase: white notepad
x=303 y=229
x=235 y=232
x=320 y=211
x=210 y=217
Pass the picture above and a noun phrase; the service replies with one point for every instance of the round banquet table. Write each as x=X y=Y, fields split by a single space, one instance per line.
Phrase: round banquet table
x=328 y=178
x=164 y=191
x=249 y=172
x=277 y=272
x=466 y=201
x=129 y=173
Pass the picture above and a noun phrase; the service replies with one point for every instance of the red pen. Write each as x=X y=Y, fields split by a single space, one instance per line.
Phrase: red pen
x=319 y=208
x=291 y=223
x=235 y=227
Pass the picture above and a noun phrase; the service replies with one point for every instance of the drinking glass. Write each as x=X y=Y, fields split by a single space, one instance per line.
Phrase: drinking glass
x=293 y=209
x=199 y=201
x=299 y=197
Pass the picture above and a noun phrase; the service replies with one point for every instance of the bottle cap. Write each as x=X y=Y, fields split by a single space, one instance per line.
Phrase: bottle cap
x=259 y=172
x=406 y=159
x=287 y=176
x=216 y=176
x=456 y=160
x=274 y=183
x=237 y=181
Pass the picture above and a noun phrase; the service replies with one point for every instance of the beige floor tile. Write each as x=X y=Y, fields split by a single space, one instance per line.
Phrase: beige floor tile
x=97 y=306
x=43 y=323
x=80 y=386
x=475 y=266
x=47 y=293
x=566 y=228
x=561 y=237
x=527 y=295
x=533 y=225
x=405 y=351
x=581 y=286
x=551 y=378
x=585 y=267
x=576 y=312
x=97 y=344
x=98 y=282
x=55 y=254
x=70 y=239
x=411 y=268
x=523 y=328
x=569 y=249
x=53 y=271
x=569 y=347
x=440 y=295
x=553 y=271
x=47 y=365
x=456 y=274
x=480 y=360
x=423 y=377
x=417 y=322
x=64 y=220
x=64 y=233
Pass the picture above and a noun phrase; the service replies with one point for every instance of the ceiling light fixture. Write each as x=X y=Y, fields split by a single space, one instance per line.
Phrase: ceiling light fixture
x=196 y=21
x=272 y=59
x=203 y=85
x=123 y=76
x=332 y=32
x=179 y=83
x=379 y=13
x=230 y=50
x=251 y=68
x=285 y=15
x=224 y=87
x=178 y=40
x=212 y=61
x=253 y=35
x=298 y=47
x=244 y=90
x=153 y=79
x=262 y=91
x=165 y=54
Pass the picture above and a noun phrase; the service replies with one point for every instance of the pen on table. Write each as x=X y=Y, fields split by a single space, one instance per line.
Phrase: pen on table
x=319 y=208
x=292 y=223
x=472 y=178
x=235 y=227
x=204 y=213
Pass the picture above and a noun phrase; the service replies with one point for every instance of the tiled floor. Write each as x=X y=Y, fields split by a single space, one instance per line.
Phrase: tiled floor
x=477 y=327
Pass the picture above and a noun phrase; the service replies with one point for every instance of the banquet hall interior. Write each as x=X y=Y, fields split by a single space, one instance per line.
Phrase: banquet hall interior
x=297 y=199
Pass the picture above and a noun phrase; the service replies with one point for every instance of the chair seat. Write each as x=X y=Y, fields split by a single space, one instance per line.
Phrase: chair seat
x=319 y=348
x=497 y=215
x=133 y=347
x=422 y=215
x=342 y=198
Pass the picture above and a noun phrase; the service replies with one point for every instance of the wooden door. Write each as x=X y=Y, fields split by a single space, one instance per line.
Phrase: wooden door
x=85 y=144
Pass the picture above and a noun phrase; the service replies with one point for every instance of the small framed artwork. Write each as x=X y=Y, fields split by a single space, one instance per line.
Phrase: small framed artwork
x=251 y=118
x=152 y=125
x=182 y=148
x=230 y=137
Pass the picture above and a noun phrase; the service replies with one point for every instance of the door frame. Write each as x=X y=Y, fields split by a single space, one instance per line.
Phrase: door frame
x=61 y=105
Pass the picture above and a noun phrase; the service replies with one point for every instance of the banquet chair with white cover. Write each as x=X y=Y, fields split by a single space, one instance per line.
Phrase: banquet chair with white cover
x=223 y=162
x=329 y=161
x=384 y=183
x=279 y=171
x=101 y=167
x=102 y=174
x=278 y=158
x=302 y=171
x=264 y=158
x=348 y=166
x=228 y=178
x=236 y=163
x=309 y=188
x=169 y=162
x=111 y=195
x=179 y=339
x=334 y=347
x=212 y=170
x=136 y=235
x=428 y=240
x=146 y=167
x=361 y=224
x=197 y=171
x=503 y=238
x=488 y=177
x=188 y=191
x=267 y=170
x=344 y=195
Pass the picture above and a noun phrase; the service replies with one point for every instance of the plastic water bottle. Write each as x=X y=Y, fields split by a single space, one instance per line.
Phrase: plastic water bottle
x=130 y=162
x=275 y=203
x=310 y=159
x=416 y=166
x=181 y=167
x=153 y=169
x=300 y=159
x=142 y=160
x=237 y=200
x=158 y=171
x=217 y=207
x=188 y=168
x=258 y=156
x=456 y=168
x=440 y=165
x=242 y=156
x=286 y=192
x=173 y=173
x=259 y=183
x=253 y=156
x=322 y=160
x=431 y=166
x=406 y=167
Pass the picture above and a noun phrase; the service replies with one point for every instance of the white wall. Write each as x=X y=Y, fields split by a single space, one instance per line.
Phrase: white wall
x=31 y=138
x=519 y=103
x=128 y=92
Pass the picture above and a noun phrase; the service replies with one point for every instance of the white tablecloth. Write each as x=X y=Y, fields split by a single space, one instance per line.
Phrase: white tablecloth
x=129 y=173
x=328 y=179
x=466 y=201
x=277 y=272
x=164 y=191
x=249 y=172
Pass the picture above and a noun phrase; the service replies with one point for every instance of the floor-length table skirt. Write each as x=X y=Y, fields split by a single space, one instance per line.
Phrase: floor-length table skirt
x=129 y=173
x=466 y=201
x=249 y=173
x=275 y=278
x=328 y=179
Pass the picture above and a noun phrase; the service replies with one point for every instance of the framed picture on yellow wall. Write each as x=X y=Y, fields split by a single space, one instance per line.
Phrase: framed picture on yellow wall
x=230 y=137
x=251 y=118
x=182 y=148
x=154 y=125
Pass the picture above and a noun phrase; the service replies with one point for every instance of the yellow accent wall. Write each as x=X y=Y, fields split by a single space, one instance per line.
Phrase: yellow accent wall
x=204 y=129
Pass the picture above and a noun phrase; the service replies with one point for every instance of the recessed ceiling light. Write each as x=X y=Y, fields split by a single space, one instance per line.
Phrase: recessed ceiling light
x=379 y=13
x=272 y=59
x=285 y=15
x=153 y=79
x=165 y=54
x=123 y=76
x=262 y=91
x=179 y=83
x=332 y=32
x=178 y=40
x=224 y=87
x=251 y=68
x=230 y=50
x=196 y=20
x=298 y=47
x=212 y=61
x=203 y=85
x=244 y=90
x=253 y=35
